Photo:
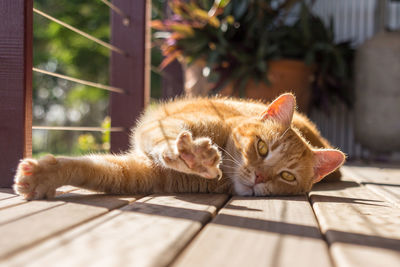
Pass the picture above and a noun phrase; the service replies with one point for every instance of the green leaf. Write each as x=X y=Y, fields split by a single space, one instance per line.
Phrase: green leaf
x=212 y=58
x=221 y=3
x=309 y=59
x=262 y=66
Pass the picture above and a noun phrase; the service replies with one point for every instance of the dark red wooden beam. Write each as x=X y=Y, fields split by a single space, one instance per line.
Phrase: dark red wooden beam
x=130 y=72
x=172 y=80
x=15 y=85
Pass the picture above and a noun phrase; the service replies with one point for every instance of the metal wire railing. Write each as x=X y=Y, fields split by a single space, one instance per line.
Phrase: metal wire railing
x=128 y=71
x=82 y=33
x=125 y=18
x=80 y=81
x=77 y=128
x=126 y=22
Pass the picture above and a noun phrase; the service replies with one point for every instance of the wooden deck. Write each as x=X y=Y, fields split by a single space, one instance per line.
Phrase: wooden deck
x=355 y=222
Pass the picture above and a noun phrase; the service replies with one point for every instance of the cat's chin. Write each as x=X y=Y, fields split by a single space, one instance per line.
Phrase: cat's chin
x=243 y=190
x=260 y=190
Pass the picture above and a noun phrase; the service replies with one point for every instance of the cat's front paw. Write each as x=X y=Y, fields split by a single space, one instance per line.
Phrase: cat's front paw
x=198 y=156
x=35 y=178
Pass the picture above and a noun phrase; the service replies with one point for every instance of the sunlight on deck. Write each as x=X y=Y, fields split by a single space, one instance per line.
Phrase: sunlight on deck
x=355 y=222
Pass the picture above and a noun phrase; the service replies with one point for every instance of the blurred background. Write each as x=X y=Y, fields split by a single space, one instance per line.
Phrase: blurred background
x=352 y=58
x=57 y=102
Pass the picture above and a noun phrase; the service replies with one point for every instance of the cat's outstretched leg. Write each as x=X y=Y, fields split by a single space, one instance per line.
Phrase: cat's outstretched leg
x=37 y=179
x=190 y=156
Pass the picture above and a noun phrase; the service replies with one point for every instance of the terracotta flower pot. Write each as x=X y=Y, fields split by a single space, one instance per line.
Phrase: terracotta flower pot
x=285 y=76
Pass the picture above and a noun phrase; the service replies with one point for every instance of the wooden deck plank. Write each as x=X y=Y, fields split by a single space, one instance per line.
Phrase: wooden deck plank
x=359 y=217
x=18 y=200
x=27 y=231
x=6 y=193
x=260 y=232
x=148 y=232
x=24 y=210
x=16 y=208
x=362 y=228
x=383 y=181
x=12 y=201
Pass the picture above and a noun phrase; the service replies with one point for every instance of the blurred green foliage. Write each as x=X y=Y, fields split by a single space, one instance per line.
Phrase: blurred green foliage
x=59 y=102
x=87 y=142
x=57 y=49
x=106 y=136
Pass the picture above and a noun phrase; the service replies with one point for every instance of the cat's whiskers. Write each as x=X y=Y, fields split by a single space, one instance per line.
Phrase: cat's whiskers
x=246 y=182
x=237 y=164
x=232 y=167
x=229 y=154
x=241 y=170
x=284 y=133
x=233 y=161
x=230 y=173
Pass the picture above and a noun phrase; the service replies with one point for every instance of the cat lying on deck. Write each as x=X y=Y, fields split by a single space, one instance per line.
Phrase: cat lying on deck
x=216 y=145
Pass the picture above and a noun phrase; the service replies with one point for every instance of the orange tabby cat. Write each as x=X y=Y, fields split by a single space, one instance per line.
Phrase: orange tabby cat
x=198 y=145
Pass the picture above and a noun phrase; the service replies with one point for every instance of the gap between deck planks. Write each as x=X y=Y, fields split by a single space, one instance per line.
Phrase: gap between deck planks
x=14 y=200
x=148 y=232
x=383 y=181
x=56 y=216
x=279 y=231
x=21 y=208
x=361 y=228
x=6 y=193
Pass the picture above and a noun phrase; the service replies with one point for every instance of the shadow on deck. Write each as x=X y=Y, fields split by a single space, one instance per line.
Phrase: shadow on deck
x=355 y=222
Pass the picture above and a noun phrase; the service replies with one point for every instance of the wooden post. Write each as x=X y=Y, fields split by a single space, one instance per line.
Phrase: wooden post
x=172 y=81
x=130 y=72
x=15 y=85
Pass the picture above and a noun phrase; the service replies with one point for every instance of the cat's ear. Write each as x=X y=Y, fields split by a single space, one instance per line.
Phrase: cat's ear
x=325 y=162
x=281 y=109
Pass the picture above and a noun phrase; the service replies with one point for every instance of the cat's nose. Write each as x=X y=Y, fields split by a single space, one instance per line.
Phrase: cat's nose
x=259 y=178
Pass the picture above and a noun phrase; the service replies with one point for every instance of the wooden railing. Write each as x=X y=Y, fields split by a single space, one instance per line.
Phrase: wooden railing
x=129 y=76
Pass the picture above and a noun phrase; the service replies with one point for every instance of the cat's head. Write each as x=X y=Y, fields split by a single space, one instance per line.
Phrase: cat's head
x=272 y=158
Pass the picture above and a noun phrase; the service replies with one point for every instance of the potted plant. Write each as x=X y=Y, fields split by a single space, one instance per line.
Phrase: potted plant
x=239 y=45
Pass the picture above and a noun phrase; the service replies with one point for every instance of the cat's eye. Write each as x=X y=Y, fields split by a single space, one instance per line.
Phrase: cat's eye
x=288 y=176
x=262 y=148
